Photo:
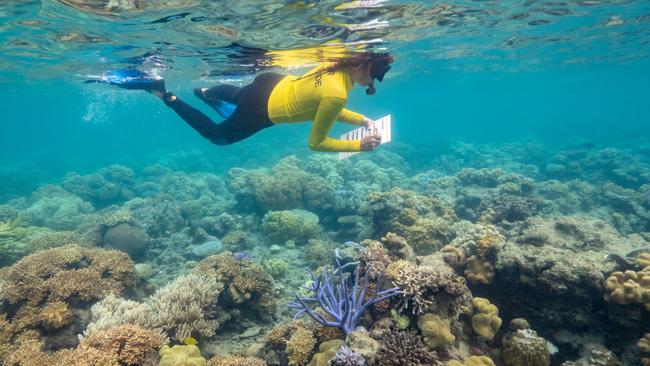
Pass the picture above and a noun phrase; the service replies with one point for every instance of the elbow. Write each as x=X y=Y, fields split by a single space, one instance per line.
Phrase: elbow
x=315 y=146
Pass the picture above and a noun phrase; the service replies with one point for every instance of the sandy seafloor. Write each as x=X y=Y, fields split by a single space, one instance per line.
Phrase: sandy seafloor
x=106 y=267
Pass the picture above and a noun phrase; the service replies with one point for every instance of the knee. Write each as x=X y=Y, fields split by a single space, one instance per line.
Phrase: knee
x=219 y=141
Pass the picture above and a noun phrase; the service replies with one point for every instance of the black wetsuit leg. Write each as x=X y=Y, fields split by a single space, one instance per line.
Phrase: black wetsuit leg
x=250 y=116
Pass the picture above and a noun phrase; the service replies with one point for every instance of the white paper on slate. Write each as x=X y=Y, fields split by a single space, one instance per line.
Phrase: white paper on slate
x=382 y=125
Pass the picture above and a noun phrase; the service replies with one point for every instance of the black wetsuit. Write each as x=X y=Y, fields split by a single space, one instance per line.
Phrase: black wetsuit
x=250 y=116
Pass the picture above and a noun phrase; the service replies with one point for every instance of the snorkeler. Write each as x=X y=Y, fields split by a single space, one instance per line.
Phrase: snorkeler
x=319 y=95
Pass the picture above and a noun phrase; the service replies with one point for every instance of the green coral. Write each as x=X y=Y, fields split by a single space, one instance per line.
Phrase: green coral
x=276 y=267
x=297 y=225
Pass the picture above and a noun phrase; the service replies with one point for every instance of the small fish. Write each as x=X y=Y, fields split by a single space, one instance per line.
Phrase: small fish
x=190 y=341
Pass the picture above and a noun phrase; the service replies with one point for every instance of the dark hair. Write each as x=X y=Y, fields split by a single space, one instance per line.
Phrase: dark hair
x=355 y=60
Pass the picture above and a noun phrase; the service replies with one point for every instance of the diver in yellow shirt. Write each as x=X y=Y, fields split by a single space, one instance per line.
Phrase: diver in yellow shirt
x=319 y=96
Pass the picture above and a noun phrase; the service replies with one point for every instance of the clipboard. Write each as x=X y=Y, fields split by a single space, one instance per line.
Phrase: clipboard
x=382 y=125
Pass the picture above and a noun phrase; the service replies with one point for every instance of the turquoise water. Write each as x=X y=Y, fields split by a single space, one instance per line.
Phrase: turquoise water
x=520 y=123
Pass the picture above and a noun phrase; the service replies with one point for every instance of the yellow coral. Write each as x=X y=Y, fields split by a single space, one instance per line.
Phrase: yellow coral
x=644 y=346
x=524 y=347
x=479 y=270
x=326 y=351
x=300 y=347
x=472 y=361
x=436 y=331
x=643 y=261
x=187 y=355
x=485 y=321
x=629 y=287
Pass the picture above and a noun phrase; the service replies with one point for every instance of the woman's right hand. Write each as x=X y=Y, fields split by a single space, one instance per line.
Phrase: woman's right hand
x=370 y=142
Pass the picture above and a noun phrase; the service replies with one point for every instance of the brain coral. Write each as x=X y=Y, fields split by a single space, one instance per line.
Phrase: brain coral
x=485 y=321
x=629 y=287
x=236 y=361
x=524 y=347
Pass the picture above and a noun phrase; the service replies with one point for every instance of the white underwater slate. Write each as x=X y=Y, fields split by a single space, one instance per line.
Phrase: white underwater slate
x=382 y=125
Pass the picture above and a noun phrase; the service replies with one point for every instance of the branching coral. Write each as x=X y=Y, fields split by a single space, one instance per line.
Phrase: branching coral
x=629 y=287
x=247 y=283
x=127 y=344
x=344 y=305
x=300 y=347
x=66 y=272
x=405 y=348
x=419 y=284
x=184 y=307
x=235 y=361
x=485 y=321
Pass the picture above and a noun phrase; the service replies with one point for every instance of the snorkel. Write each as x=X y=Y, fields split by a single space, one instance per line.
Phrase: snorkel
x=379 y=66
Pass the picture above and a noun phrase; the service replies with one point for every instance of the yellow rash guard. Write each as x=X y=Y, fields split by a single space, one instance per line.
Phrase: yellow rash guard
x=320 y=98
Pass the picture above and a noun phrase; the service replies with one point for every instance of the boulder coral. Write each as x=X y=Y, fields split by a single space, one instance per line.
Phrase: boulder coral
x=435 y=331
x=485 y=321
x=524 y=347
x=296 y=225
x=629 y=287
x=286 y=186
x=326 y=351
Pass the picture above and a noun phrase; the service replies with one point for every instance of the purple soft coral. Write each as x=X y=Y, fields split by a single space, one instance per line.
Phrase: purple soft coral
x=343 y=305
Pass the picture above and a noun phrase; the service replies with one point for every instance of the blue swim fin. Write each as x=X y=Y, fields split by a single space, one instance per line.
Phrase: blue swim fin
x=225 y=109
x=132 y=79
